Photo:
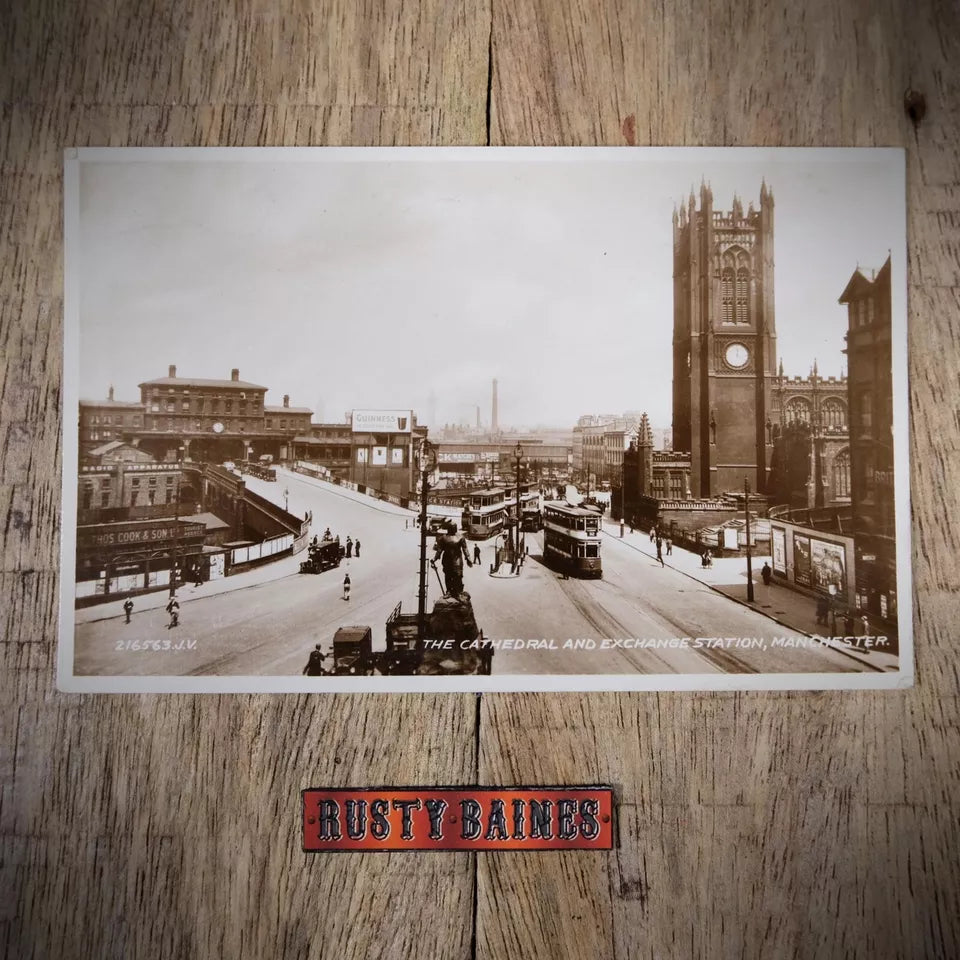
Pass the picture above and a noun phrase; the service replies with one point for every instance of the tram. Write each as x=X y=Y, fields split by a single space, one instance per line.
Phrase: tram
x=483 y=513
x=571 y=539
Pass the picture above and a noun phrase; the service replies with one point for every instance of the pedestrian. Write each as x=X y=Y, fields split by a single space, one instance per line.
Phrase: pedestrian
x=660 y=551
x=349 y=548
x=709 y=558
x=823 y=607
x=476 y=553
x=669 y=547
x=314 y=667
x=356 y=549
x=346 y=587
x=173 y=609
x=128 y=608
x=765 y=574
x=653 y=534
x=197 y=576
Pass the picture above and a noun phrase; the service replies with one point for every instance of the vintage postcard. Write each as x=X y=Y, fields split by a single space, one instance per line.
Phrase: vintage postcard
x=485 y=419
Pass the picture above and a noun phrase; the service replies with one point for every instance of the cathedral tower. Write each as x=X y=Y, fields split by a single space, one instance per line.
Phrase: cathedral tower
x=724 y=341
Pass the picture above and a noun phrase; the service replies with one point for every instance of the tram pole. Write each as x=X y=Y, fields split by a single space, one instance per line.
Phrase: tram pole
x=746 y=508
x=424 y=456
x=518 y=453
x=177 y=548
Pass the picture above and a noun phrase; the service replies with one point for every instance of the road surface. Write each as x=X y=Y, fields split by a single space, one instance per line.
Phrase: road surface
x=554 y=625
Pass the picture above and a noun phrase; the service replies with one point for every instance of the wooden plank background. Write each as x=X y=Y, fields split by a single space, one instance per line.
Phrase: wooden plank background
x=774 y=825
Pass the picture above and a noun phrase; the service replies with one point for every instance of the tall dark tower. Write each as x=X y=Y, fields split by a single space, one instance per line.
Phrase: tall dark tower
x=724 y=342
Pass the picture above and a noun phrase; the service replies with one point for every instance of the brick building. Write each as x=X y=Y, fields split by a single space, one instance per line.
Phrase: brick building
x=199 y=419
x=102 y=421
x=870 y=392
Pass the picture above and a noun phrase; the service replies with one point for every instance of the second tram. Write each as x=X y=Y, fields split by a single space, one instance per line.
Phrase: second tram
x=571 y=539
x=483 y=513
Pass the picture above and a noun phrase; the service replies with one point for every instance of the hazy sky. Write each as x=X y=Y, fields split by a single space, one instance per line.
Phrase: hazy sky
x=347 y=281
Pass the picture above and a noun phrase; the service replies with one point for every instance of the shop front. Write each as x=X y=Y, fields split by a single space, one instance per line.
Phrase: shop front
x=117 y=559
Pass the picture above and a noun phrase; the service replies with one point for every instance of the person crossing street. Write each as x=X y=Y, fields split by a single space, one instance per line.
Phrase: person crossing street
x=173 y=609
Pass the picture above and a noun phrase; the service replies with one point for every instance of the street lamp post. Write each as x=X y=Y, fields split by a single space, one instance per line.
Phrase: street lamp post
x=427 y=457
x=746 y=508
x=175 y=565
x=286 y=499
x=518 y=454
x=623 y=491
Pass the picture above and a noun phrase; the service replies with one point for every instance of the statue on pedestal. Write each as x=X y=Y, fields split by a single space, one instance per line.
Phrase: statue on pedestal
x=451 y=549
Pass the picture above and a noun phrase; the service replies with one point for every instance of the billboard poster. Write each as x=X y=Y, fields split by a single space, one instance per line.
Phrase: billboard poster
x=382 y=421
x=362 y=455
x=801 y=560
x=379 y=456
x=828 y=566
x=778 y=542
x=396 y=457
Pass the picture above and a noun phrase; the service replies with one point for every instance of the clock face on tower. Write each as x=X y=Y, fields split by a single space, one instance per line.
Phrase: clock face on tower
x=218 y=427
x=737 y=355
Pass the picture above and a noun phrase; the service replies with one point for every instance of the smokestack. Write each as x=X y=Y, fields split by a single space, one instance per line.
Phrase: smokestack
x=110 y=393
x=234 y=374
x=494 y=423
x=286 y=399
x=478 y=416
x=171 y=371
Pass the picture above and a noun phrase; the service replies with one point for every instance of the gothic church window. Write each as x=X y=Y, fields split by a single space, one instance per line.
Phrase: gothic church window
x=798 y=410
x=841 y=474
x=743 y=295
x=726 y=295
x=834 y=414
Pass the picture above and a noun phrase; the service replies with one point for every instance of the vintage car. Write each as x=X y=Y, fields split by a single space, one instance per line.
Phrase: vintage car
x=324 y=555
x=353 y=652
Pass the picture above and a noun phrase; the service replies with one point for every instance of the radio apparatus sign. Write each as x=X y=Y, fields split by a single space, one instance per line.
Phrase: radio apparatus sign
x=381 y=421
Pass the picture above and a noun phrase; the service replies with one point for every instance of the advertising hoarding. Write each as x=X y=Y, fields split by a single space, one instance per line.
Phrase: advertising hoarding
x=801 y=560
x=382 y=421
x=778 y=541
x=827 y=566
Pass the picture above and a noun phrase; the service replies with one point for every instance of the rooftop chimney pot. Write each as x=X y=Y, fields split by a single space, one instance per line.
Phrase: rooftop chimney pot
x=235 y=374
x=172 y=371
x=286 y=399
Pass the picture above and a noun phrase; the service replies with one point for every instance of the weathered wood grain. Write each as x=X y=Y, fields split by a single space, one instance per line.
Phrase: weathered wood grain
x=752 y=825
x=771 y=824
x=169 y=826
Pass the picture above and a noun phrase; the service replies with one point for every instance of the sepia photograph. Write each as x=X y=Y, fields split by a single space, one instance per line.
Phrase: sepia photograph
x=454 y=419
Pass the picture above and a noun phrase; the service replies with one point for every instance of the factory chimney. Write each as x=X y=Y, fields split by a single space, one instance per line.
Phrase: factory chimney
x=494 y=422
